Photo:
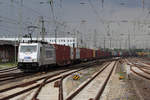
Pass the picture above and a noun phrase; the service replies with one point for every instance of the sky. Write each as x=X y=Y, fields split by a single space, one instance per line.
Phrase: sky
x=114 y=22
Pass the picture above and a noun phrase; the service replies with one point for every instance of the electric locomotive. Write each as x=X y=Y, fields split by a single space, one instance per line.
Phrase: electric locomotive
x=34 y=55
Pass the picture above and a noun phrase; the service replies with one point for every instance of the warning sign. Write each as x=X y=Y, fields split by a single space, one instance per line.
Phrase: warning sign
x=76 y=76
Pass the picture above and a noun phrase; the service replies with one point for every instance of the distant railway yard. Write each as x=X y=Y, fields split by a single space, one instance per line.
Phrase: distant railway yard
x=111 y=79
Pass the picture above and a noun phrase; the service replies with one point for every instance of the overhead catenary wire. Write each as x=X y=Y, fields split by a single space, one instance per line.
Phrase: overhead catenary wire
x=10 y=20
x=61 y=3
x=143 y=4
x=5 y=29
x=9 y=27
x=102 y=3
x=15 y=4
x=97 y=14
x=13 y=21
x=30 y=9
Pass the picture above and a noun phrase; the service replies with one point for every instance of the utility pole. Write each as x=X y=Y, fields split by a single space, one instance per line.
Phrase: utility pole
x=95 y=39
x=80 y=43
x=43 y=29
x=15 y=51
x=77 y=38
x=129 y=40
x=126 y=45
x=20 y=20
x=56 y=34
x=83 y=32
x=110 y=42
x=51 y=3
x=102 y=3
x=104 y=42
x=143 y=3
x=120 y=43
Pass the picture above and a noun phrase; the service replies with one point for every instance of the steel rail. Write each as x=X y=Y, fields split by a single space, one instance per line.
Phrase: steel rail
x=36 y=86
x=8 y=69
x=60 y=85
x=148 y=78
x=13 y=76
x=10 y=74
x=26 y=90
x=141 y=68
x=97 y=97
x=33 y=81
x=139 y=74
x=71 y=96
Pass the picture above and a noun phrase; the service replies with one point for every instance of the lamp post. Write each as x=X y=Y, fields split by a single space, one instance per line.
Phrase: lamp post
x=104 y=42
x=56 y=34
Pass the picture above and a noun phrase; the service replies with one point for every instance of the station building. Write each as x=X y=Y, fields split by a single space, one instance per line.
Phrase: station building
x=8 y=51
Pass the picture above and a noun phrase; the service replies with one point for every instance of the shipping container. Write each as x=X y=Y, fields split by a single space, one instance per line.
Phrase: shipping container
x=83 y=54
x=86 y=54
x=89 y=54
x=62 y=54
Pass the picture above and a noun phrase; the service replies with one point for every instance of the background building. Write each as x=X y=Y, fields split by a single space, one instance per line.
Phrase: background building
x=68 y=41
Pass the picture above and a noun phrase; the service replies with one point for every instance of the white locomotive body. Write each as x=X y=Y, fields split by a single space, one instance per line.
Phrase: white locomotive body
x=33 y=56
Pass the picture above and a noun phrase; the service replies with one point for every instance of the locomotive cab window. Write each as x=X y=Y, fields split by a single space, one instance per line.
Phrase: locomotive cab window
x=32 y=48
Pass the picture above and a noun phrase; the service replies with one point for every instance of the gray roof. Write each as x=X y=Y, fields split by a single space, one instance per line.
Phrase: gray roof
x=4 y=42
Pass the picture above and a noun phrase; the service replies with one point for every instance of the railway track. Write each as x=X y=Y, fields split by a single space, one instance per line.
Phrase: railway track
x=60 y=85
x=7 y=77
x=140 y=70
x=140 y=64
x=8 y=69
x=6 y=93
x=94 y=85
x=58 y=81
x=12 y=76
x=144 y=62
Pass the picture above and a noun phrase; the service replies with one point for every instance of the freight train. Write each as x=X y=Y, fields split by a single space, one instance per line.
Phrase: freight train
x=40 y=55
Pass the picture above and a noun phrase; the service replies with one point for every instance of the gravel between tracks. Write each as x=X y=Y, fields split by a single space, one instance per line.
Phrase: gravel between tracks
x=142 y=86
x=26 y=79
x=119 y=89
x=71 y=85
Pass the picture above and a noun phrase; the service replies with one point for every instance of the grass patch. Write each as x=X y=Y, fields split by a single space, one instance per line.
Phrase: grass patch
x=7 y=65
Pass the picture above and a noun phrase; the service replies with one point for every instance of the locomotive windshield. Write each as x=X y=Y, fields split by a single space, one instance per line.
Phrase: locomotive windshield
x=32 y=48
